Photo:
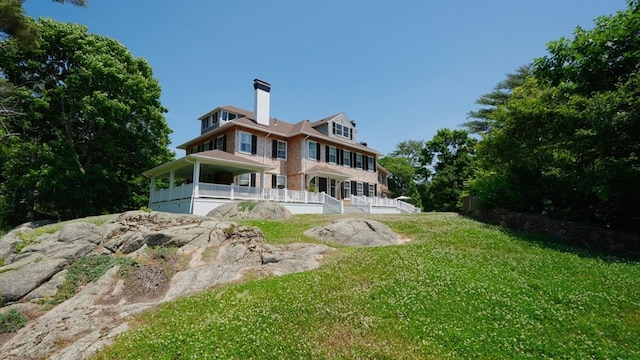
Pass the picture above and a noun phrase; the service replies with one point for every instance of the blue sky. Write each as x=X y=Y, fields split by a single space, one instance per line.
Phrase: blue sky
x=401 y=69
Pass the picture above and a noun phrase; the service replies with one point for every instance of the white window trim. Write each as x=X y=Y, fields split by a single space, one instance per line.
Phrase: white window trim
x=347 y=158
x=220 y=142
x=335 y=155
x=359 y=188
x=281 y=179
x=358 y=155
x=315 y=149
x=278 y=142
x=372 y=190
x=370 y=164
x=240 y=142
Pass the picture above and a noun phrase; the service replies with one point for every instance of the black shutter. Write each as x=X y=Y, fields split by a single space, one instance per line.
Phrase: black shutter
x=253 y=179
x=365 y=162
x=374 y=164
x=334 y=127
x=353 y=159
x=365 y=189
x=375 y=190
x=224 y=142
x=274 y=180
x=340 y=155
x=326 y=153
x=354 y=190
x=254 y=144
x=274 y=148
x=318 y=151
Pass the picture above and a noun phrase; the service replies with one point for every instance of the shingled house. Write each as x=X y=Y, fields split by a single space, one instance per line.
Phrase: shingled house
x=309 y=166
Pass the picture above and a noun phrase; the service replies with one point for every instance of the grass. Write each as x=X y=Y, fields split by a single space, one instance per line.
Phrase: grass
x=11 y=321
x=460 y=290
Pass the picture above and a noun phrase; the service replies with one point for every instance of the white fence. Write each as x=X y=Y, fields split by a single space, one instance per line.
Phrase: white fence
x=365 y=203
x=246 y=192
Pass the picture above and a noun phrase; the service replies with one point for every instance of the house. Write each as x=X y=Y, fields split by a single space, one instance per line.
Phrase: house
x=308 y=166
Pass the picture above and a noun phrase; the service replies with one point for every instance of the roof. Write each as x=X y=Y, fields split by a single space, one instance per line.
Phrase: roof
x=277 y=127
x=217 y=158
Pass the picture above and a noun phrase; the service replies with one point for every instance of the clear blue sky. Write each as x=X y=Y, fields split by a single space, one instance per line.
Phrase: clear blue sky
x=401 y=69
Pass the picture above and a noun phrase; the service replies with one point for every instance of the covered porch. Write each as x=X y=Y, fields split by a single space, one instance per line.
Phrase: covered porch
x=197 y=183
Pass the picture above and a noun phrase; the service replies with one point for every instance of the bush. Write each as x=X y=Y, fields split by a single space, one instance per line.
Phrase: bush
x=11 y=321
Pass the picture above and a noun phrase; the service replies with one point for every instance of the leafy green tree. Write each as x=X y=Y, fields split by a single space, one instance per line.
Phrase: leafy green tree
x=484 y=119
x=451 y=156
x=569 y=138
x=402 y=179
x=93 y=121
x=14 y=22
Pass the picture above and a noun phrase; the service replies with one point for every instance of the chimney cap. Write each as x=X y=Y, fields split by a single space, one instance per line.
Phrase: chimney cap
x=262 y=85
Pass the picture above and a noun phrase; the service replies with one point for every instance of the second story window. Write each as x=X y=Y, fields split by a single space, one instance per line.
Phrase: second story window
x=370 y=163
x=248 y=143
x=358 y=161
x=332 y=157
x=346 y=158
x=221 y=143
x=313 y=150
x=279 y=150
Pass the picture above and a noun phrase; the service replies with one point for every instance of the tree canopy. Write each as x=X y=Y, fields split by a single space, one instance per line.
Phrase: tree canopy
x=92 y=121
x=568 y=143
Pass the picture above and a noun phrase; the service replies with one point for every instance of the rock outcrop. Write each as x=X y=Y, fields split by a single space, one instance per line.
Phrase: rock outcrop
x=356 y=232
x=211 y=252
x=250 y=210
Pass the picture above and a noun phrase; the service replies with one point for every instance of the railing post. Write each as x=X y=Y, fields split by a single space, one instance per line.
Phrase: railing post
x=305 y=197
x=231 y=194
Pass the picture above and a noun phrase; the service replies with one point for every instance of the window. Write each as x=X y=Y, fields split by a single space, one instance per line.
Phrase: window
x=346 y=158
x=280 y=150
x=312 y=150
x=359 y=189
x=207 y=146
x=342 y=130
x=215 y=117
x=346 y=189
x=372 y=190
x=332 y=155
x=278 y=181
x=358 y=161
x=194 y=149
x=220 y=143
x=248 y=143
x=332 y=187
x=244 y=179
x=370 y=163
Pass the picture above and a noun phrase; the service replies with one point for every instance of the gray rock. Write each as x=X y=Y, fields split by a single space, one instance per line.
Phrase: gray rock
x=269 y=210
x=48 y=289
x=355 y=232
x=11 y=239
x=15 y=284
x=131 y=242
x=80 y=231
x=260 y=210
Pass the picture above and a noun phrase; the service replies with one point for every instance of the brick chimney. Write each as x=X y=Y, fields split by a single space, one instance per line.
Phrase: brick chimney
x=261 y=109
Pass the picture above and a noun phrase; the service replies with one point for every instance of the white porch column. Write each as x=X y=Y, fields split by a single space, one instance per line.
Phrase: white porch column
x=196 y=179
x=152 y=190
x=171 y=181
x=262 y=185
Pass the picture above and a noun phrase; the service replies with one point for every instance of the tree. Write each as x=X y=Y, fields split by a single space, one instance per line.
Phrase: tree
x=569 y=136
x=484 y=119
x=14 y=22
x=402 y=179
x=451 y=156
x=93 y=121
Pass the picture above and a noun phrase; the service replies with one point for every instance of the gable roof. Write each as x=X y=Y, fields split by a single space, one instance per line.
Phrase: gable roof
x=278 y=127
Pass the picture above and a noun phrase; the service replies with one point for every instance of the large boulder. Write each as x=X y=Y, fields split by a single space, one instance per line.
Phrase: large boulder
x=210 y=252
x=250 y=210
x=356 y=232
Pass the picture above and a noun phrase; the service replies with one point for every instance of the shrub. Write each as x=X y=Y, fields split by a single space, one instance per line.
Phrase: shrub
x=11 y=321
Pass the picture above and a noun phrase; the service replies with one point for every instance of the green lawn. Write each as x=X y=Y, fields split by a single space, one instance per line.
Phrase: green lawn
x=460 y=290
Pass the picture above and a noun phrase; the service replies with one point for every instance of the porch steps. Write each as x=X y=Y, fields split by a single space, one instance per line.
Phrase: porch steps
x=350 y=209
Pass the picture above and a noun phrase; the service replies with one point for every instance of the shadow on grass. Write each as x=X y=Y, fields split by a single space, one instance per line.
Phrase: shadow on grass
x=566 y=246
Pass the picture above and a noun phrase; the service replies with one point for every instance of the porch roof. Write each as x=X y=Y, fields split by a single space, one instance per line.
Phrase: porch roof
x=324 y=171
x=218 y=159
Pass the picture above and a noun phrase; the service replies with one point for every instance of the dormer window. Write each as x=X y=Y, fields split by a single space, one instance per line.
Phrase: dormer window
x=343 y=131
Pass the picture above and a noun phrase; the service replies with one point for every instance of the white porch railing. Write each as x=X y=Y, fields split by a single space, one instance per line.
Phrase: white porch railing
x=245 y=192
x=365 y=203
x=334 y=205
x=177 y=192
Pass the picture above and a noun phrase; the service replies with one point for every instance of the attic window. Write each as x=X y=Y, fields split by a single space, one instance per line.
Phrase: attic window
x=342 y=130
